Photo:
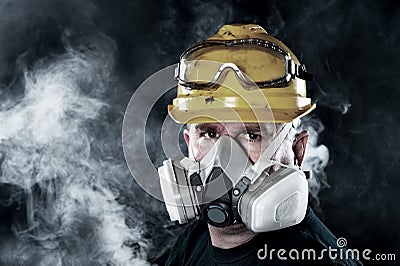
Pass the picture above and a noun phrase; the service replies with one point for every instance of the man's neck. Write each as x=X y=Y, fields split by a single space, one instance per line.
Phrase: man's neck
x=230 y=236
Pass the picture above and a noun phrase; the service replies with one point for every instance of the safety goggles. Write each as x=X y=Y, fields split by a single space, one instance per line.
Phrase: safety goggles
x=254 y=61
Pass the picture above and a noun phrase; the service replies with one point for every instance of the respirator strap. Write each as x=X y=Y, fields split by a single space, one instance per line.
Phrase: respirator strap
x=265 y=159
x=237 y=193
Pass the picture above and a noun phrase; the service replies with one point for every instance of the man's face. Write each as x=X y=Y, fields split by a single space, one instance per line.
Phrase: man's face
x=253 y=137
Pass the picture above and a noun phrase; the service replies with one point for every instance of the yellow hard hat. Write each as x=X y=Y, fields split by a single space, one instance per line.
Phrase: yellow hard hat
x=240 y=74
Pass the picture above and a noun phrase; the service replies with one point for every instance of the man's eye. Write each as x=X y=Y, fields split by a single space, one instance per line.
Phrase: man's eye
x=211 y=135
x=253 y=136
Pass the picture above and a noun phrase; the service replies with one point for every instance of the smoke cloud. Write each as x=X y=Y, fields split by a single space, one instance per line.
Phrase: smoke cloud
x=68 y=177
x=316 y=158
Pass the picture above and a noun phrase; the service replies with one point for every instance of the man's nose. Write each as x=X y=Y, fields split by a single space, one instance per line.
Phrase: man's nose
x=233 y=135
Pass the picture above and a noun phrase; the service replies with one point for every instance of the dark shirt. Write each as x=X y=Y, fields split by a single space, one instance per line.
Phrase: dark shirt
x=194 y=247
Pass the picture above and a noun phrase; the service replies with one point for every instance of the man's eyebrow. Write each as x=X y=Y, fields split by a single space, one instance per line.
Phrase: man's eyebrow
x=253 y=128
x=265 y=130
x=206 y=127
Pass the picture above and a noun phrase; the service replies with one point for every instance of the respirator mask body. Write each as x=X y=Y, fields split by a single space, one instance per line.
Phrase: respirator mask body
x=225 y=188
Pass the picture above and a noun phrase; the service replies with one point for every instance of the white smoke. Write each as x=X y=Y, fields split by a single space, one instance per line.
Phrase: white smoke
x=316 y=156
x=46 y=150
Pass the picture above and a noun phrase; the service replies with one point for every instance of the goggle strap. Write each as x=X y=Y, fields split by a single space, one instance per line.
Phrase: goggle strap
x=176 y=75
x=301 y=72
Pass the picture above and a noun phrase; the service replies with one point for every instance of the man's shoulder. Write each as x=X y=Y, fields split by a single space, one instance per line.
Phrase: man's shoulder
x=316 y=231
x=194 y=236
x=196 y=228
x=319 y=236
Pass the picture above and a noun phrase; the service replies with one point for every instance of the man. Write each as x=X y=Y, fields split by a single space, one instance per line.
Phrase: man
x=242 y=92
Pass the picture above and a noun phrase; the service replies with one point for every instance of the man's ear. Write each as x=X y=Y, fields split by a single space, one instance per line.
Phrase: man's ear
x=186 y=136
x=299 y=146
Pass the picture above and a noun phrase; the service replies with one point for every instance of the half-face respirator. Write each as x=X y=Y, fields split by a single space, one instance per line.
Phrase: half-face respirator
x=226 y=188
